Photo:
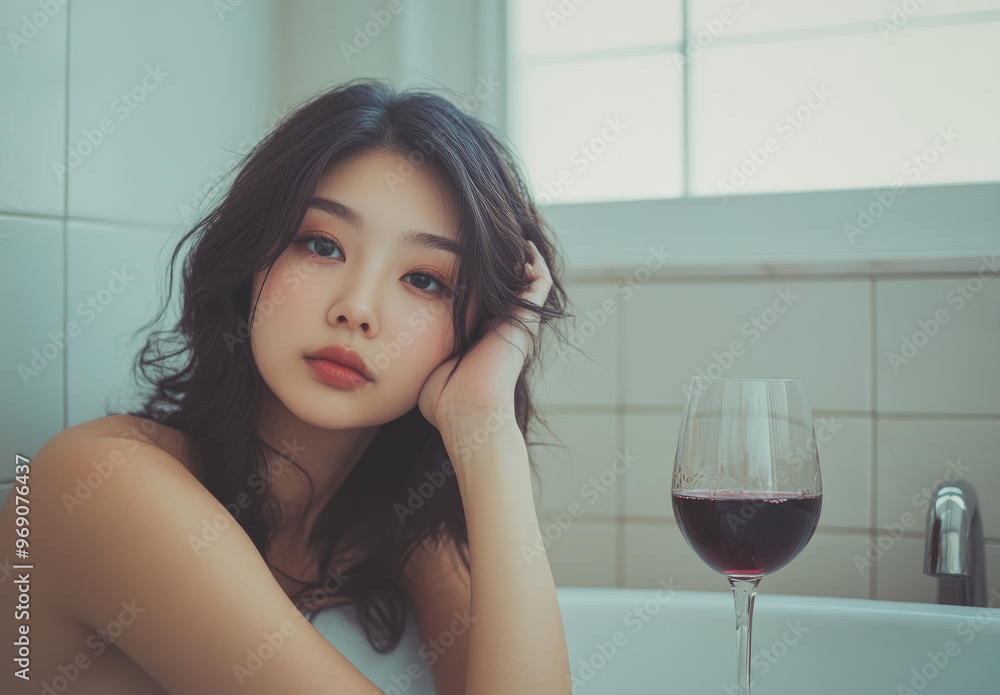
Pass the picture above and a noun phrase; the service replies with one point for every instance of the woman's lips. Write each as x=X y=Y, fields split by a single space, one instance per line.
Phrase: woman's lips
x=336 y=374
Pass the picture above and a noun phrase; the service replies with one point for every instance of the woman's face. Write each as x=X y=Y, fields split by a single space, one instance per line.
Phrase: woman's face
x=373 y=289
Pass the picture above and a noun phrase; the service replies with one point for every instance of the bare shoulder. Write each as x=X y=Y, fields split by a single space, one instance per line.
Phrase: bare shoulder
x=122 y=523
x=137 y=429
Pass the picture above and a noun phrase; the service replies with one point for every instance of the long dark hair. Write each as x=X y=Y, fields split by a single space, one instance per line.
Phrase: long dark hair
x=200 y=377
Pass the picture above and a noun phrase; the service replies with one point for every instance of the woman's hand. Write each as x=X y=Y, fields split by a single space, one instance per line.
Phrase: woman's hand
x=484 y=382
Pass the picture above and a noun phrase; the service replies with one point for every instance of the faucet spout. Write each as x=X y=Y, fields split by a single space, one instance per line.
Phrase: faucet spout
x=954 y=549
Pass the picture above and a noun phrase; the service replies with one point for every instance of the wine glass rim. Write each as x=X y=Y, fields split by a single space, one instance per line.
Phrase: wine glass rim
x=727 y=378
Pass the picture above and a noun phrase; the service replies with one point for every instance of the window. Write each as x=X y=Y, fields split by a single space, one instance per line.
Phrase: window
x=617 y=101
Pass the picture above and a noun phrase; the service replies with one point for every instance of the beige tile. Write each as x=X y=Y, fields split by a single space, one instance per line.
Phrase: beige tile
x=824 y=568
x=658 y=552
x=674 y=331
x=583 y=478
x=900 y=573
x=580 y=553
x=955 y=369
x=913 y=455
x=584 y=371
x=652 y=439
x=845 y=463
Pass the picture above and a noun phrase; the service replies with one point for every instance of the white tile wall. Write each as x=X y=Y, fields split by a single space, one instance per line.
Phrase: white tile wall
x=116 y=279
x=33 y=119
x=34 y=336
x=175 y=111
x=201 y=86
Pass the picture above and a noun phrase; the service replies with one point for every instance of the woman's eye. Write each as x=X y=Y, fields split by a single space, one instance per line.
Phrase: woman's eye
x=321 y=242
x=424 y=280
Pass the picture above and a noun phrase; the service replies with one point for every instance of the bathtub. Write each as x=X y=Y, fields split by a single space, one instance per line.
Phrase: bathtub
x=652 y=641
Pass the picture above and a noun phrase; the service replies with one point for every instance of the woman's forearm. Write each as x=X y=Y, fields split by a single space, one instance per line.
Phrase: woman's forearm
x=517 y=642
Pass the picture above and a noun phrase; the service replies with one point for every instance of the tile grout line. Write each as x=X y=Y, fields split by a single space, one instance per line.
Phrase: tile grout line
x=65 y=227
x=620 y=524
x=873 y=515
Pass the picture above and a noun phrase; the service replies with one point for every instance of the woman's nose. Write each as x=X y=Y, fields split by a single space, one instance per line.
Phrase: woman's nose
x=354 y=304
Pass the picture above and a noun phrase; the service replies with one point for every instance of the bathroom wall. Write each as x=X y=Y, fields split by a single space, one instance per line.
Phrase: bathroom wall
x=888 y=429
x=156 y=104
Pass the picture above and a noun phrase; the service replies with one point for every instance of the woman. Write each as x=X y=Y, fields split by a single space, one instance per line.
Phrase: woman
x=348 y=382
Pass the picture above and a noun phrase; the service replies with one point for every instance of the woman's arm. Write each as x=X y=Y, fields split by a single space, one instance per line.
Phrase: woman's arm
x=211 y=618
x=517 y=641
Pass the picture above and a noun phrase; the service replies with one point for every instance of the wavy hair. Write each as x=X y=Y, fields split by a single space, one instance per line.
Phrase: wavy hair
x=199 y=377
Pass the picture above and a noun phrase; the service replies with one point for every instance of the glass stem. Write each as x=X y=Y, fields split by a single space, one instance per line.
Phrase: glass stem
x=744 y=592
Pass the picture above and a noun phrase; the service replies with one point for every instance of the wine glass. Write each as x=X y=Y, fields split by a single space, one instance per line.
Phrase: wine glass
x=746 y=487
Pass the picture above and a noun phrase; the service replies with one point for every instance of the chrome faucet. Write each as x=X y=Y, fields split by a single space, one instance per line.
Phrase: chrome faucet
x=953 y=550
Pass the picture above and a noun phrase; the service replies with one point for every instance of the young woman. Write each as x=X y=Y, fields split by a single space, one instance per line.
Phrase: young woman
x=339 y=416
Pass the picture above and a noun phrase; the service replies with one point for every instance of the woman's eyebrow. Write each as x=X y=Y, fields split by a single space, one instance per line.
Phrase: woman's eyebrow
x=412 y=237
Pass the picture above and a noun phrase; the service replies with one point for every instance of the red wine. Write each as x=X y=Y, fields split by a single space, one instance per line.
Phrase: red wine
x=746 y=534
